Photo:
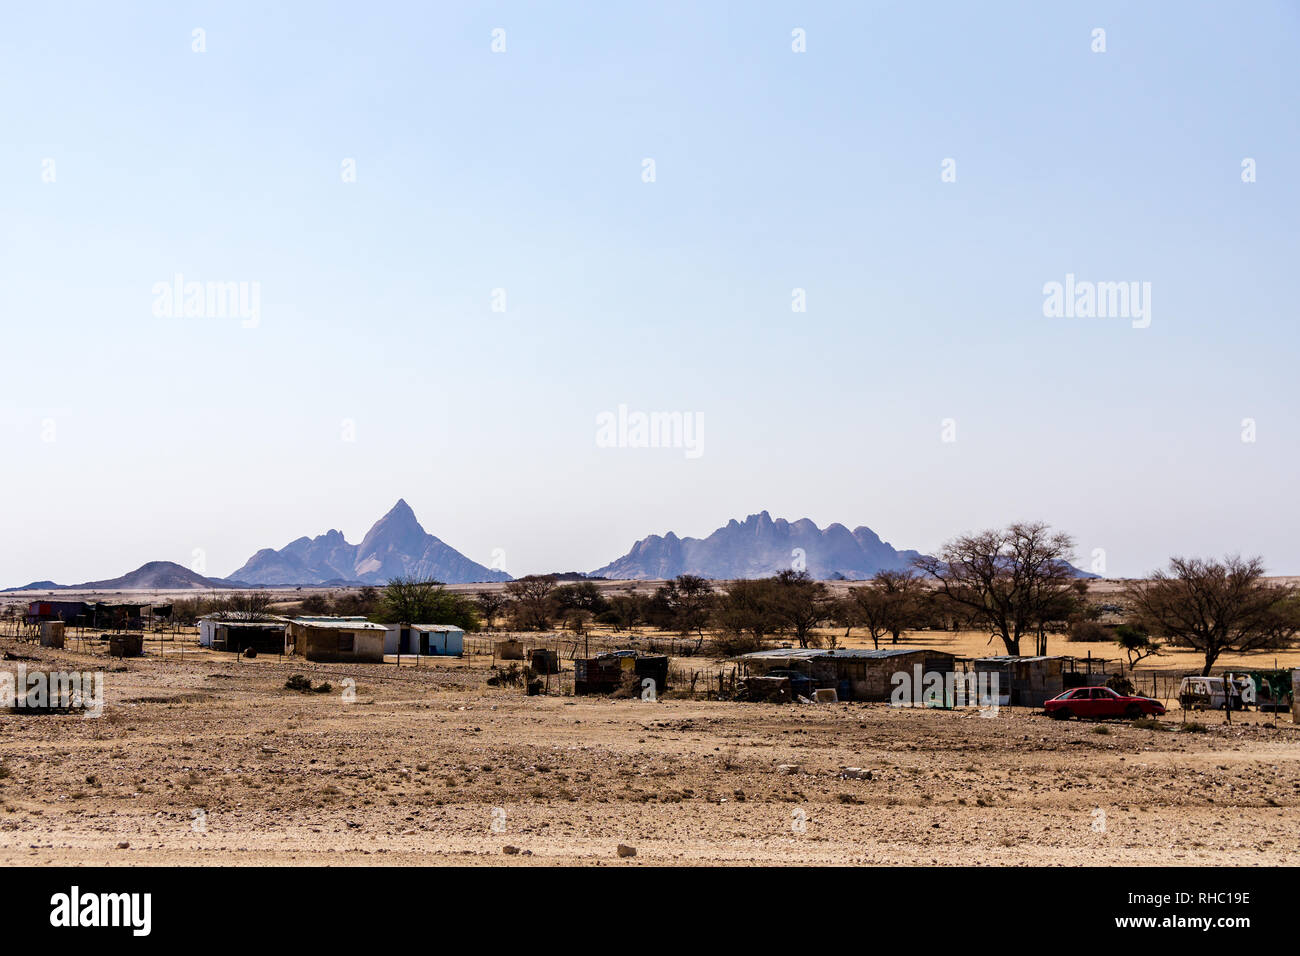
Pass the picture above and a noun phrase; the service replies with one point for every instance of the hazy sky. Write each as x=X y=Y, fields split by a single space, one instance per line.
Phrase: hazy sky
x=376 y=367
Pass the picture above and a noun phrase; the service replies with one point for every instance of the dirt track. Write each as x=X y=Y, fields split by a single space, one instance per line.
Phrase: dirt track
x=423 y=765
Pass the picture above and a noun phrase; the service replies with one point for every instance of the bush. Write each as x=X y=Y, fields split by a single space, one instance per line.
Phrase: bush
x=1120 y=685
x=1148 y=723
x=298 y=682
x=512 y=676
x=732 y=644
x=1089 y=632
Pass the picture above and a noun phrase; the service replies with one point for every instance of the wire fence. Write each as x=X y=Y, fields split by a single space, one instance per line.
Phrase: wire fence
x=693 y=670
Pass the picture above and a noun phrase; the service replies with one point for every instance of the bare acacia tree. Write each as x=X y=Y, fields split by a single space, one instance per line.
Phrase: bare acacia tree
x=688 y=600
x=1215 y=606
x=491 y=604
x=1011 y=580
x=901 y=594
x=869 y=608
x=1136 y=643
x=747 y=612
x=800 y=603
x=531 y=603
x=247 y=606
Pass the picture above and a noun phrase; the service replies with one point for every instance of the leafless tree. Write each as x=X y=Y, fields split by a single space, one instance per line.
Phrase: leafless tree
x=530 y=598
x=1215 y=606
x=1011 y=580
x=491 y=604
x=747 y=609
x=800 y=603
x=901 y=593
x=870 y=609
x=247 y=605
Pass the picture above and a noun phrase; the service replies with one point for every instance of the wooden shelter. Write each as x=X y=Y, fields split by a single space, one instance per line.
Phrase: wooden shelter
x=853 y=673
x=1025 y=681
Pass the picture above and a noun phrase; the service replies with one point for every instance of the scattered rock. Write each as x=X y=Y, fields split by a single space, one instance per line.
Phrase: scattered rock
x=509 y=850
x=625 y=850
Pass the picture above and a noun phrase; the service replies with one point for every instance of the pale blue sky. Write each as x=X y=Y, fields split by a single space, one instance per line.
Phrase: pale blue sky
x=522 y=170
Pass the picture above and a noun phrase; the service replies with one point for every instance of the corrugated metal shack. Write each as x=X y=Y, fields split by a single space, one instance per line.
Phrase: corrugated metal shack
x=445 y=640
x=83 y=614
x=510 y=649
x=222 y=633
x=334 y=639
x=606 y=673
x=854 y=673
x=1024 y=681
x=69 y=612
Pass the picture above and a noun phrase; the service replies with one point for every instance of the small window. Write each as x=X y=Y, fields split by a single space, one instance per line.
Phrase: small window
x=347 y=642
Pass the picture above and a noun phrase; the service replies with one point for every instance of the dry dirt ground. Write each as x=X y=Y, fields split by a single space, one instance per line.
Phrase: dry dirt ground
x=211 y=761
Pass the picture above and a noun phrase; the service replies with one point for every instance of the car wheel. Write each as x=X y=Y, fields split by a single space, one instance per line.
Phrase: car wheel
x=1063 y=714
x=1134 y=711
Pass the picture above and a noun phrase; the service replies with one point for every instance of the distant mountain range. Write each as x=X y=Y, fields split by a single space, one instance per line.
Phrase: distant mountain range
x=760 y=546
x=396 y=546
x=154 y=576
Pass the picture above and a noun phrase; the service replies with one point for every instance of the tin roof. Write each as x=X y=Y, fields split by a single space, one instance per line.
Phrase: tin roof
x=230 y=617
x=814 y=653
x=1018 y=658
x=338 y=623
x=439 y=628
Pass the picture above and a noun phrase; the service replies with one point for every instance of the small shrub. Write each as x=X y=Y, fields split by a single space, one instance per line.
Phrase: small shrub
x=512 y=676
x=1195 y=728
x=1089 y=632
x=1101 y=729
x=1148 y=723
x=1120 y=685
x=732 y=645
x=303 y=685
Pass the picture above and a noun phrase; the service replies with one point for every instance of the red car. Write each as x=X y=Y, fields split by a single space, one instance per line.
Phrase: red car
x=1095 y=702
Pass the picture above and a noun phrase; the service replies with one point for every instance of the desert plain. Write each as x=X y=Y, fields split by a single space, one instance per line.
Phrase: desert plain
x=203 y=758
